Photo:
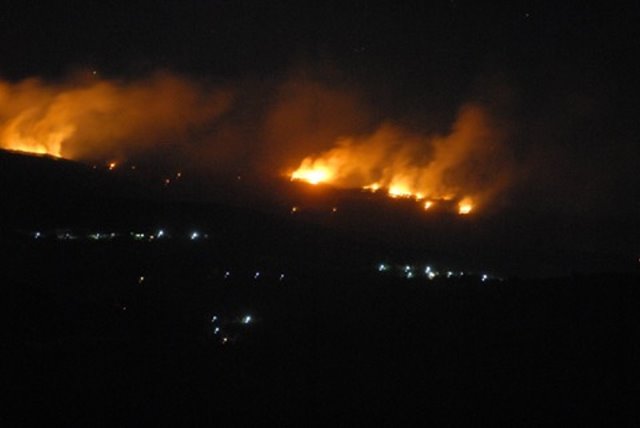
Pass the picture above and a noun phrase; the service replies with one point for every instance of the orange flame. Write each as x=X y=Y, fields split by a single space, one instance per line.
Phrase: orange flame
x=465 y=206
x=312 y=174
x=459 y=167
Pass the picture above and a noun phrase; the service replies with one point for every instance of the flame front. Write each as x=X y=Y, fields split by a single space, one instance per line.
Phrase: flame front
x=460 y=167
x=312 y=173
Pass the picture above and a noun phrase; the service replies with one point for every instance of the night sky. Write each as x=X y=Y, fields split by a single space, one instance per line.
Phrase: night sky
x=561 y=77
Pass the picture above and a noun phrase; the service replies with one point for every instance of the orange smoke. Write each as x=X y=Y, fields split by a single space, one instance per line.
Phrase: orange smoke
x=102 y=119
x=168 y=118
x=466 y=165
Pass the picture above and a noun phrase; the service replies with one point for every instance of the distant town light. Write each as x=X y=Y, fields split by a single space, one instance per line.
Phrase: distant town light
x=246 y=319
x=194 y=236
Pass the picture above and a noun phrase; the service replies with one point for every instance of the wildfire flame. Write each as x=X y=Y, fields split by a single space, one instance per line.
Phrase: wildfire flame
x=458 y=167
x=465 y=206
x=98 y=120
x=312 y=174
x=92 y=118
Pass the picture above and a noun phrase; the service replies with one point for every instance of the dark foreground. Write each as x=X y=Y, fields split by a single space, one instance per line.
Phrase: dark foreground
x=87 y=341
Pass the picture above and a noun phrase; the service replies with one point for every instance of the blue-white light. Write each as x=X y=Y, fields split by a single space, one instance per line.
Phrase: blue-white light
x=246 y=319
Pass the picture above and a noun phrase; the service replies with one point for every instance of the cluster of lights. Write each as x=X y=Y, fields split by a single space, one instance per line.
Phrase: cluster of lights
x=226 y=330
x=106 y=236
x=256 y=276
x=410 y=272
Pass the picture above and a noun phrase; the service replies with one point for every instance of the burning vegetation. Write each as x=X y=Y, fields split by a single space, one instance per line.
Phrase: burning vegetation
x=88 y=118
x=465 y=166
x=167 y=118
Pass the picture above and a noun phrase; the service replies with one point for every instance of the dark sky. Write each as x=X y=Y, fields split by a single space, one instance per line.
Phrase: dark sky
x=436 y=49
x=419 y=41
x=563 y=73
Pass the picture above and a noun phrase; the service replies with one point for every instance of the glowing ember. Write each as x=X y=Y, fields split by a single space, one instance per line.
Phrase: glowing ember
x=428 y=205
x=112 y=166
x=465 y=206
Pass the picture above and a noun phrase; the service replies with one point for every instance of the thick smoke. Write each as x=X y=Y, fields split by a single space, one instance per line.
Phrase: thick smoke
x=469 y=162
x=274 y=126
x=92 y=119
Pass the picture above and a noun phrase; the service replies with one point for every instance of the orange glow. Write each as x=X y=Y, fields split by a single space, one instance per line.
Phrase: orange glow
x=399 y=192
x=465 y=206
x=463 y=166
x=312 y=173
x=49 y=144
x=91 y=119
x=112 y=166
x=374 y=187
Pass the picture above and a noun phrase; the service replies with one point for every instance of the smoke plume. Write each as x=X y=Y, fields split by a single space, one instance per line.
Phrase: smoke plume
x=276 y=126
x=92 y=119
